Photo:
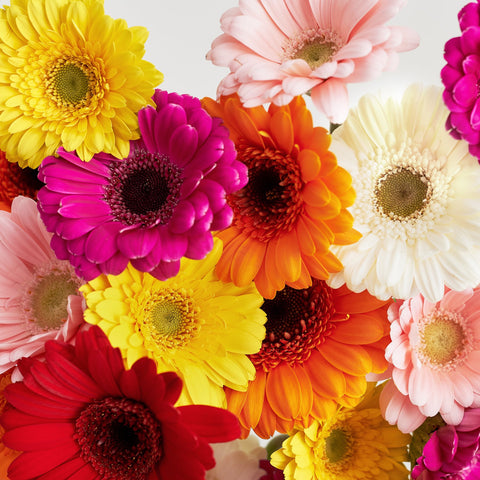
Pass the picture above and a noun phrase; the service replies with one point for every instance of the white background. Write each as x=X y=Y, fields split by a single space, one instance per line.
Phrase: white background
x=181 y=32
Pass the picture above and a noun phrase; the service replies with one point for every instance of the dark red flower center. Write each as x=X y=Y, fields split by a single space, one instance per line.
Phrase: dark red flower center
x=120 y=438
x=270 y=203
x=144 y=189
x=297 y=322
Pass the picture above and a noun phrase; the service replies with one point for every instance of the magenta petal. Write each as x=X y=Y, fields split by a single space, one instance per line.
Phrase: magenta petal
x=433 y=453
x=465 y=91
x=451 y=104
x=470 y=40
x=215 y=193
x=166 y=270
x=68 y=171
x=222 y=219
x=61 y=185
x=69 y=229
x=183 y=145
x=209 y=153
x=115 y=265
x=453 y=54
x=199 y=201
x=471 y=65
x=83 y=206
x=202 y=224
x=468 y=16
x=59 y=246
x=460 y=123
x=191 y=182
x=173 y=246
x=146 y=123
x=101 y=243
x=99 y=164
x=199 y=246
x=450 y=76
x=170 y=117
x=475 y=115
x=183 y=218
x=448 y=442
x=202 y=122
x=137 y=243
x=77 y=245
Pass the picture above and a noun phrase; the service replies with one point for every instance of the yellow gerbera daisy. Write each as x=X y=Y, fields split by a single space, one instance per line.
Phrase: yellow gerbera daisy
x=72 y=76
x=193 y=324
x=353 y=444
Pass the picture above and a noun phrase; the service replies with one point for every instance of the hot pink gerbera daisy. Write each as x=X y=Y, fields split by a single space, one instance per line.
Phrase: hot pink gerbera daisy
x=277 y=49
x=152 y=208
x=81 y=415
x=39 y=297
x=435 y=359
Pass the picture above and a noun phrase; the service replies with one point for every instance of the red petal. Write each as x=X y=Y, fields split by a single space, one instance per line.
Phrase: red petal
x=39 y=436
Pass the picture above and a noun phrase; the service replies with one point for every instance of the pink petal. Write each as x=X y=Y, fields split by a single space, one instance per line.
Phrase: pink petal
x=455 y=301
x=183 y=218
x=101 y=243
x=137 y=243
x=420 y=386
x=462 y=390
x=331 y=98
x=454 y=415
x=183 y=145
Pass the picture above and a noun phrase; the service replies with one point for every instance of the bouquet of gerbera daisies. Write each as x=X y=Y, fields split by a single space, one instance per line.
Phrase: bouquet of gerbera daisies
x=182 y=276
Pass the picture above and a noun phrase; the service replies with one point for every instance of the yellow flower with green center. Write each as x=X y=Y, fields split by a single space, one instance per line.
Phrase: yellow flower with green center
x=353 y=444
x=193 y=324
x=70 y=76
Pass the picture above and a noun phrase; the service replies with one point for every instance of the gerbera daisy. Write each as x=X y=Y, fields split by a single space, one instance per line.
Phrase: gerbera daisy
x=352 y=444
x=276 y=50
x=461 y=76
x=434 y=353
x=151 y=208
x=39 y=296
x=319 y=346
x=418 y=201
x=16 y=181
x=237 y=460
x=272 y=473
x=82 y=415
x=193 y=324
x=294 y=205
x=71 y=76
x=452 y=452
x=7 y=455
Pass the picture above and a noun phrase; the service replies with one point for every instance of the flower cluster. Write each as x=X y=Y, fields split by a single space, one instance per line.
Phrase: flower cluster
x=181 y=276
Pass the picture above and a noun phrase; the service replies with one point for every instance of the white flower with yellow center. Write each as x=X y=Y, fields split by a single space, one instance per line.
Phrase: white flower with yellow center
x=418 y=201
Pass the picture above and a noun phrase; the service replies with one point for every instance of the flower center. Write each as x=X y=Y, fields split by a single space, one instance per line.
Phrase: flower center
x=70 y=82
x=297 y=322
x=144 y=189
x=270 y=203
x=315 y=46
x=167 y=319
x=337 y=445
x=120 y=438
x=445 y=340
x=45 y=299
x=402 y=192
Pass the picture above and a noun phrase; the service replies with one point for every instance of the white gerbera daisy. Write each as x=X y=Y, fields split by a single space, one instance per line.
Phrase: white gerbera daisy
x=418 y=200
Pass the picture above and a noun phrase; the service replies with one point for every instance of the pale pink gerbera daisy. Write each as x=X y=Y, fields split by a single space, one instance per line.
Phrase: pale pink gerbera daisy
x=435 y=359
x=39 y=297
x=277 y=49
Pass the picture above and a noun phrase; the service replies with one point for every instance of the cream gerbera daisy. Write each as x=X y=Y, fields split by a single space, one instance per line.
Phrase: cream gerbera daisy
x=418 y=201
x=70 y=76
x=352 y=444
x=193 y=324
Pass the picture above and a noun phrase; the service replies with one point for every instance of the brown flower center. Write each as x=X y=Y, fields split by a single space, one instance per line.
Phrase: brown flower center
x=120 y=438
x=337 y=445
x=297 y=322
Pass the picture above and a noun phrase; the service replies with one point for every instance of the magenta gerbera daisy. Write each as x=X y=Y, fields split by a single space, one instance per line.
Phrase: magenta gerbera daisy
x=39 y=296
x=461 y=77
x=82 y=415
x=276 y=50
x=152 y=208
x=434 y=355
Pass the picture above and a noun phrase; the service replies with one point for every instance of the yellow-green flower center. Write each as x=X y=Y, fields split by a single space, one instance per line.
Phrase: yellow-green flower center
x=46 y=298
x=316 y=53
x=337 y=445
x=402 y=193
x=167 y=318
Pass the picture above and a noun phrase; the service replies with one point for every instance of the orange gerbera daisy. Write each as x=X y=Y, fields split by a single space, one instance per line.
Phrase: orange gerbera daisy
x=320 y=344
x=294 y=205
x=15 y=181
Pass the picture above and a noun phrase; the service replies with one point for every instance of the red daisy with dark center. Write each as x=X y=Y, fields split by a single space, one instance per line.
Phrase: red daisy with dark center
x=81 y=415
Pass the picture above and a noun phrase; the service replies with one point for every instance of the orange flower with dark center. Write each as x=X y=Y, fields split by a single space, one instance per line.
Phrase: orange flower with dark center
x=15 y=181
x=295 y=204
x=320 y=344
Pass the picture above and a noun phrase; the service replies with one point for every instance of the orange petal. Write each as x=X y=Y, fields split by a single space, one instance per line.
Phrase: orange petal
x=302 y=121
x=320 y=232
x=265 y=287
x=305 y=240
x=287 y=256
x=316 y=193
x=247 y=261
x=327 y=381
x=347 y=198
x=338 y=180
x=307 y=392
x=347 y=238
x=252 y=408
x=320 y=141
x=323 y=408
x=241 y=121
x=342 y=222
x=379 y=362
x=329 y=163
x=359 y=330
x=282 y=130
x=330 y=262
x=268 y=422
x=356 y=386
x=303 y=281
x=283 y=391
x=309 y=163
x=315 y=267
x=347 y=301
x=329 y=211
x=235 y=400
x=353 y=360
x=223 y=266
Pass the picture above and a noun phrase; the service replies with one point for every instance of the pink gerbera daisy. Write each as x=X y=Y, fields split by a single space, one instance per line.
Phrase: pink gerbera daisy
x=152 y=208
x=39 y=297
x=435 y=359
x=277 y=49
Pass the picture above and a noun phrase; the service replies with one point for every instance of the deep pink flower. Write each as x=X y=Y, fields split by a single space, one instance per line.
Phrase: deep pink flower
x=272 y=473
x=152 y=208
x=277 y=49
x=452 y=452
x=461 y=77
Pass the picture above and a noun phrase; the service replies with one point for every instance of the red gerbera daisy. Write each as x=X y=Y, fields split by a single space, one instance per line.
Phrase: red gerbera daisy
x=80 y=415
